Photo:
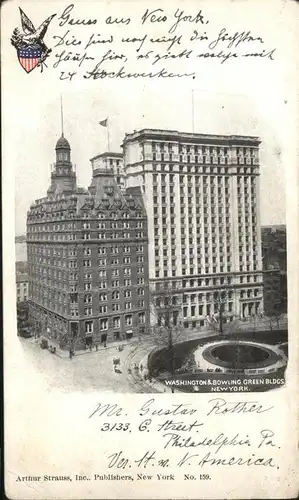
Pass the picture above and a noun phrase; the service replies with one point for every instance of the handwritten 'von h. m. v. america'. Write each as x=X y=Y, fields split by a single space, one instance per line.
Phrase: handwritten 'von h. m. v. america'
x=149 y=45
x=184 y=437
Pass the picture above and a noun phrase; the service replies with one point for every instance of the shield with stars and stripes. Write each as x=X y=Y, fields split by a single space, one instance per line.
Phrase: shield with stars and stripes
x=29 y=58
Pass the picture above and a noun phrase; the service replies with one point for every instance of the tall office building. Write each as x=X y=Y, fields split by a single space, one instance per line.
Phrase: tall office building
x=274 y=250
x=201 y=194
x=113 y=161
x=87 y=258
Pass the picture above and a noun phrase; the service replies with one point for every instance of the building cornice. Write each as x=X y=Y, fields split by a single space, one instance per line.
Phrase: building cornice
x=176 y=136
x=107 y=155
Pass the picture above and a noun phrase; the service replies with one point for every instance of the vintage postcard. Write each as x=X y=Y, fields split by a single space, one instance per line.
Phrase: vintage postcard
x=150 y=208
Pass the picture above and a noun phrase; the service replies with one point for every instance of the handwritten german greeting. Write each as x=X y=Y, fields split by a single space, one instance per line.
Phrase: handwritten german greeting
x=148 y=44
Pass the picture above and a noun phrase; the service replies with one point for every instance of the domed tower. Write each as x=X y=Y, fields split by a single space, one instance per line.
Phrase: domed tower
x=63 y=177
x=63 y=152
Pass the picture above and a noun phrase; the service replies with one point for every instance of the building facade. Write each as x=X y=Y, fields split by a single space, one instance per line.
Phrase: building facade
x=111 y=161
x=274 y=251
x=22 y=287
x=201 y=194
x=87 y=258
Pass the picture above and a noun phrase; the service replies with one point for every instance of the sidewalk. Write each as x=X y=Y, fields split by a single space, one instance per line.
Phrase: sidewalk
x=80 y=352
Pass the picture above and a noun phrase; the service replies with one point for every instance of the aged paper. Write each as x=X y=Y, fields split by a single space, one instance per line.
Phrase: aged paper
x=151 y=288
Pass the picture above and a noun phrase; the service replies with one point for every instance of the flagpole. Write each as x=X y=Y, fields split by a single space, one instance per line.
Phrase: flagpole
x=108 y=135
x=193 y=111
x=61 y=114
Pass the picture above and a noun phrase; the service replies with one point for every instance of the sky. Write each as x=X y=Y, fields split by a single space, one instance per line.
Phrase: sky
x=255 y=97
x=215 y=113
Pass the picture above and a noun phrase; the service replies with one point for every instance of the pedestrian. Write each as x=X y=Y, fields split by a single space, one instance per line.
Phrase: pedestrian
x=90 y=347
x=105 y=345
x=71 y=354
x=96 y=347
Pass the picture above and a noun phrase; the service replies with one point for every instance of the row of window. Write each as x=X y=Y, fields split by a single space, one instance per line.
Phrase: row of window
x=206 y=189
x=116 y=284
x=116 y=322
x=113 y=262
x=204 y=159
x=170 y=147
x=85 y=236
x=132 y=214
x=101 y=284
x=207 y=310
x=205 y=180
x=113 y=225
x=84 y=225
x=119 y=249
x=101 y=225
x=72 y=252
x=192 y=271
x=102 y=273
x=104 y=236
x=206 y=282
x=88 y=286
x=205 y=168
x=208 y=270
x=188 y=207
x=88 y=311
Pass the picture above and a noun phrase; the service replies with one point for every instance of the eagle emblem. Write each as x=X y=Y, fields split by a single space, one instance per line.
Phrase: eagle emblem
x=31 y=49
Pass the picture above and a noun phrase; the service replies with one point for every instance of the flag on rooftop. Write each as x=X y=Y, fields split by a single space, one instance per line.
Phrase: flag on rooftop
x=104 y=122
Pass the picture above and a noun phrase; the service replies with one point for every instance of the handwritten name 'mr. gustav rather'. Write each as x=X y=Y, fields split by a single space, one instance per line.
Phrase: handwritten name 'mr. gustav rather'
x=217 y=406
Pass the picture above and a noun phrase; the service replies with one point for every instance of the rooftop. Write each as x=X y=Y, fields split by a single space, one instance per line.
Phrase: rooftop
x=107 y=154
x=175 y=135
x=62 y=143
x=274 y=228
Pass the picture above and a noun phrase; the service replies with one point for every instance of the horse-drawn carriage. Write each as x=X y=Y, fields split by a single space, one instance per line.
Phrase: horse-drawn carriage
x=116 y=361
x=44 y=344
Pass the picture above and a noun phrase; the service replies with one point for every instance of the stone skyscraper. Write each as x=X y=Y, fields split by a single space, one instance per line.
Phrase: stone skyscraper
x=201 y=194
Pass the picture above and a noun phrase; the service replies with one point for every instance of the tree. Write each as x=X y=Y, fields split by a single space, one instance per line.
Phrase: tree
x=220 y=299
x=220 y=302
x=275 y=314
x=166 y=307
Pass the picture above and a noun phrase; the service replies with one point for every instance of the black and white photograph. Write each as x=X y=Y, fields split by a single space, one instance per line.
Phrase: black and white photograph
x=167 y=269
x=150 y=249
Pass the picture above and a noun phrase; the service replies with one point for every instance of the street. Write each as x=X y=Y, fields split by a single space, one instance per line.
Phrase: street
x=89 y=371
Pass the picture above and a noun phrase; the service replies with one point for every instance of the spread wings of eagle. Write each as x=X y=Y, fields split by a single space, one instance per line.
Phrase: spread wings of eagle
x=30 y=36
